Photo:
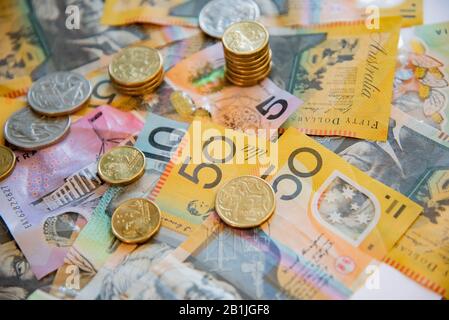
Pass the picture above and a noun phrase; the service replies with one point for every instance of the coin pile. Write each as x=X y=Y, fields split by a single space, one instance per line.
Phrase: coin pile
x=135 y=220
x=137 y=71
x=247 y=53
x=46 y=120
x=217 y=15
x=235 y=203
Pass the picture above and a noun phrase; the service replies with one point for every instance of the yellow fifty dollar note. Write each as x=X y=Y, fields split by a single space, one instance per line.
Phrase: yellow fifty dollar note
x=331 y=221
x=316 y=187
x=209 y=155
x=342 y=72
x=337 y=216
x=120 y=12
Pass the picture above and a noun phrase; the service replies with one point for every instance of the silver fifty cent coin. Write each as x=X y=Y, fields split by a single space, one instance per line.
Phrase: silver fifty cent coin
x=59 y=93
x=28 y=130
x=217 y=15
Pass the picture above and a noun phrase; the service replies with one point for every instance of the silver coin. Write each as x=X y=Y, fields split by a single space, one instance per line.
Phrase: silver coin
x=28 y=130
x=217 y=15
x=59 y=93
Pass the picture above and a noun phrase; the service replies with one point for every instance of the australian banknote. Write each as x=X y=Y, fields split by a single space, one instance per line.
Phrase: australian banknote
x=286 y=12
x=344 y=75
x=331 y=221
x=160 y=101
x=180 y=216
x=413 y=161
x=263 y=106
x=207 y=157
x=421 y=86
x=51 y=193
x=121 y=271
x=36 y=40
x=17 y=281
x=183 y=12
x=328 y=11
x=96 y=243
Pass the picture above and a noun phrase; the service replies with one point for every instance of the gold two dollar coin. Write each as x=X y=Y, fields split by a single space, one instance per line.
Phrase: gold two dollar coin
x=135 y=66
x=121 y=165
x=245 y=202
x=136 y=220
x=7 y=162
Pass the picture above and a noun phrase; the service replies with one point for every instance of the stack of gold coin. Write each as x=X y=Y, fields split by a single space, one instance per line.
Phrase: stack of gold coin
x=247 y=53
x=137 y=71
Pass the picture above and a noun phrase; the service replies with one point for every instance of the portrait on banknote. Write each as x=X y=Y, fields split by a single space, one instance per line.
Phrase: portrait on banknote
x=229 y=264
x=17 y=281
x=71 y=49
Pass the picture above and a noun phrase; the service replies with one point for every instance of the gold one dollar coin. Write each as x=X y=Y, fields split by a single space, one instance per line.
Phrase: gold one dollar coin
x=121 y=165
x=136 y=220
x=7 y=162
x=245 y=202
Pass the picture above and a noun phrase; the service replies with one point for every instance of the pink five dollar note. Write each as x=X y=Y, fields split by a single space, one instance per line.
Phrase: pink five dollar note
x=52 y=192
x=263 y=106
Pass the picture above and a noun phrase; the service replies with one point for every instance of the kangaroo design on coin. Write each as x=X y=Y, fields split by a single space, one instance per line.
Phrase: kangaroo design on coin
x=59 y=93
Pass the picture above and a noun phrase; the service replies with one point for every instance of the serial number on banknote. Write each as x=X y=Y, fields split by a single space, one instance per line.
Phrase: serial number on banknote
x=15 y=206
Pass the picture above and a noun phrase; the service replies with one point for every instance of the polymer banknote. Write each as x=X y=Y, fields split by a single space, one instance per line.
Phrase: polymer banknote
x=36 y=40
x=158 y=102
x=51 y=193
x=95 y=244
x=207 y=157
x=330 y=223
x=413 y=161
x=327 y=11
x=343 y=73
x=421 y=87
x=273 y=13
x=183 y=12
x=263 y=106
x=17 y=281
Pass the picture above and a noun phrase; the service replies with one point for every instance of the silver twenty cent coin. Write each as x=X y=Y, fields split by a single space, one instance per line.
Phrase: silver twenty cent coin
x=28 y=130
x=59 y=93
x=217 y=15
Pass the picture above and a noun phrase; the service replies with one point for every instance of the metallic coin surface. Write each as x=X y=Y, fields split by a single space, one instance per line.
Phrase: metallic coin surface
x=245 y=38
x=135 y=66
x=201 y=112
x=158 y=76
x=121 y=165
x=28 y=130
x=255 y=74
x=246 y=57
x=246 y=82
x=249 y=65
x=59 y=93
x=7 y=162
x=144 y=89
x=217 y=15
x=136 y=220
x=245 y=202
x=182 y=103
